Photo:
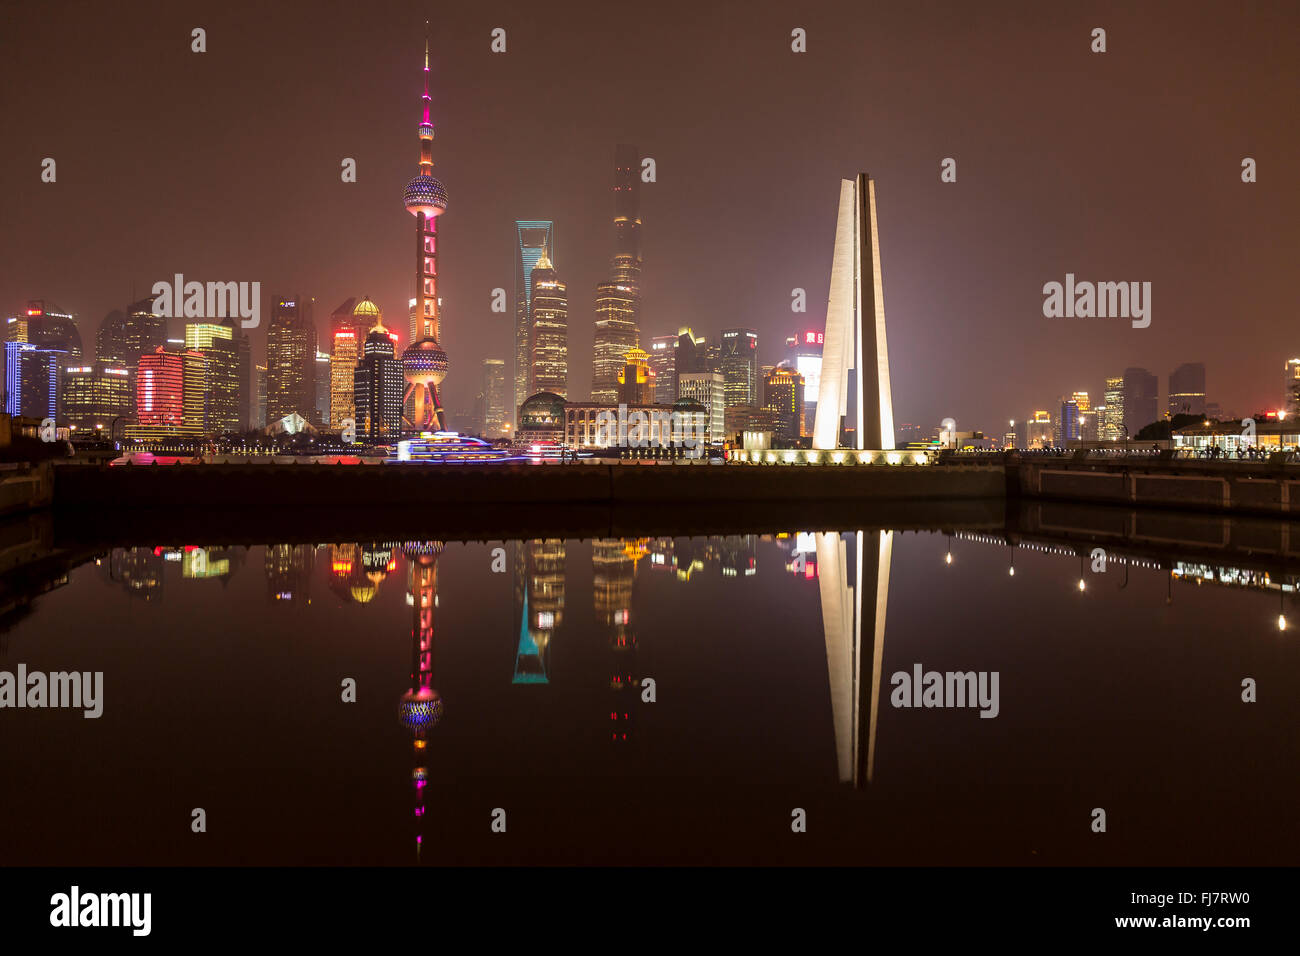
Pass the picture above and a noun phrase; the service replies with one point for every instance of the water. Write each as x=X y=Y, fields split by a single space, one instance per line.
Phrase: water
x=225 y=693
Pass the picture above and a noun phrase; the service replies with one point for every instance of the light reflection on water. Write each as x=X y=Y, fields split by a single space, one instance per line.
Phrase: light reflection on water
x=512 y=676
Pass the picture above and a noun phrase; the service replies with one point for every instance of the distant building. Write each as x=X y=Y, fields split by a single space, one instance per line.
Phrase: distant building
x=532 y=236
x=738 y=363
x=324 y=389
x=1290 y=387
x=618 y=299
x=495 y=417
x=739 y=419
x=378 y=387
x=1112 y=423
x=1187 y=390
x=290 y=360
x=663 y=362
x=636 y=385
x=1039 y=430
x=97 y=395
x=170 y=395
x=257 y=407
x=805 y=350
x=350 y=323
x=783 y=396
x=1140 y=399
x=49 y=327
x=1067 y=423
x=910 y=434
x=709 y=389
x=549 y=344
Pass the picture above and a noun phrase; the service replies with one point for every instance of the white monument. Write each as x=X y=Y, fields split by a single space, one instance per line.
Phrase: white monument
x=852 y=341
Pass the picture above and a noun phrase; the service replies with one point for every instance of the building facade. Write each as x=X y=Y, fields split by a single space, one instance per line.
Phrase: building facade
x=290 y=360
x=549 y=343
x=738 y=363
x=1187 y=390
x=532 y=236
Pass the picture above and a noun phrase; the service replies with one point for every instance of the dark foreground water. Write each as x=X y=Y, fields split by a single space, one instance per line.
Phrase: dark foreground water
x=224 y=670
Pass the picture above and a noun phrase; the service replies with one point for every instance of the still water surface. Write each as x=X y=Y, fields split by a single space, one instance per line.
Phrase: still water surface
x=223 y=685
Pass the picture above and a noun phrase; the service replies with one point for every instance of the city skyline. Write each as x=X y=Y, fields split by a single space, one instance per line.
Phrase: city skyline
x=960 y=311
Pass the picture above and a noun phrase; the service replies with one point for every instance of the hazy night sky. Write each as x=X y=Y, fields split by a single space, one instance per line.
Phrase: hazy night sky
x=1121 y=166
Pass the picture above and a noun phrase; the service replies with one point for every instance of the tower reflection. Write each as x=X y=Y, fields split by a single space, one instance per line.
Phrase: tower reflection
x=853 y=576
x=421 y=706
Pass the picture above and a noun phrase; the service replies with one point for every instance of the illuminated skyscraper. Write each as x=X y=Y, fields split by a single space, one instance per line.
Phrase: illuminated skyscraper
x=618 y=300
x=215 y=341
x=377 y=387
x=96 y=395
x=783 y=395
x=171 y=395
x=532 y=237
x=1112 y=422
x=707 y=388
x=549 y=350
x=495 y=417
x=257 y=407
x=349 y=327
x=739 y=366
x=424 y=362
x=49 y=327
x=663 y=362
x=290 y=360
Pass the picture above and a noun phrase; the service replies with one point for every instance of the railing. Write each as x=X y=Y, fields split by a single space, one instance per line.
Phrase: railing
x=838 y=456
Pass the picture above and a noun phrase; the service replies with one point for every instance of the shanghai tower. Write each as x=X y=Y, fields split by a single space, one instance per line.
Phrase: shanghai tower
x=618 y=299
x=424 y=363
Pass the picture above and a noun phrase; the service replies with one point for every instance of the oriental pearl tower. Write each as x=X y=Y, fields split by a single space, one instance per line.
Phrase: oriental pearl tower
x=424 y=363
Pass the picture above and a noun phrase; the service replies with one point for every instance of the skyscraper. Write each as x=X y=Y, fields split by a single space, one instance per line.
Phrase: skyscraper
x=96 y=395
x=349 y=327
x=618 y=300
x=1112 y=423
x=1140 y=394
x=215 y=341
x=549 y=351
x=424 y=362
x=707 y=388
x=1291 y=387
x=377 y=386
x=125 y=336
x=783 y=396
x=1187 y=389
x=290 y=360
x=532 y=236
x=495 y=416
x=663 y=362
x=739 y=366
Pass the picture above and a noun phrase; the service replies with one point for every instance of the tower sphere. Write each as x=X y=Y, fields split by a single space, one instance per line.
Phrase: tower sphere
x=420 y=710
x=424 y=194
x=424 y=362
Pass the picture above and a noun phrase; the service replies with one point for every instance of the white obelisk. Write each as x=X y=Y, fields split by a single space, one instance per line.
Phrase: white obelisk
x=855 y=292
